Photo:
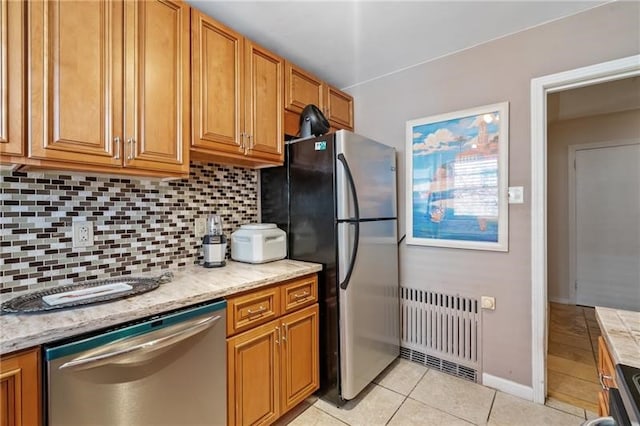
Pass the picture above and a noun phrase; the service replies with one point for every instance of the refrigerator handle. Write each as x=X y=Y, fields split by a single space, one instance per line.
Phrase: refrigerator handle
x=352 y=221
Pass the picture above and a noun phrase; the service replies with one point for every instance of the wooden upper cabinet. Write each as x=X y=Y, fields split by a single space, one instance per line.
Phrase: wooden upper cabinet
x=217 y=102
x=109 y=85
x=12 y=76
x=264 y=107
x=156 y=115
x=75 y=75
x=339 y=109
x=303 y=88
x=20 y=392
x=237 y=97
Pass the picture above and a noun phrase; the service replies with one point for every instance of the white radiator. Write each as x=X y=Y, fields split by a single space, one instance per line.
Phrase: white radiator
x=441 y=331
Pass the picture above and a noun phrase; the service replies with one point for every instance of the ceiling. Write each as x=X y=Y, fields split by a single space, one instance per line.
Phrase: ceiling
x=350 y=42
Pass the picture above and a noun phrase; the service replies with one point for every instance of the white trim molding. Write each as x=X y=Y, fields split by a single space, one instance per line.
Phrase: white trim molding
x=507 y=386
x=540 y=87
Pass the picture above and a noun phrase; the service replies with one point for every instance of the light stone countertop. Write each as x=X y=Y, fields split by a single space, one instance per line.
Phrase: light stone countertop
x=190 y=285
x=621 y=331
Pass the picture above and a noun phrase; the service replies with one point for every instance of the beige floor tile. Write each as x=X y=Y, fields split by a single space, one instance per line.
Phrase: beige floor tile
x=374 y=406
x=563 y=406
x=401 y=376
x=591 y=414
x=292 y=414
x=455 y=396
x=412 y=412
x=572 y=368
x=510 y=410
x=315 y=417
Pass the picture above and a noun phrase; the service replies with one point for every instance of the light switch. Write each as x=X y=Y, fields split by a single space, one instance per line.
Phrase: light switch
x=516 y=195
x=488 y=302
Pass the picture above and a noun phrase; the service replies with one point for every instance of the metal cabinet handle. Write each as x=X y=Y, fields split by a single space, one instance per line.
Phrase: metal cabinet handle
x=284 y=333
x=602 y=377
x=278 y=338
x=132 y=149
x=116 y=148
x=260 y=310
x=192 y=328
x=301 y=295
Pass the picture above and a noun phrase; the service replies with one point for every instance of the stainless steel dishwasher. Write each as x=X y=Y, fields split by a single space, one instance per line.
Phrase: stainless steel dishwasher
x=164 y=370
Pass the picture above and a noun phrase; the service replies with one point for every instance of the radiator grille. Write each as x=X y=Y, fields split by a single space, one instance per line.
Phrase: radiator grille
x=441 y=331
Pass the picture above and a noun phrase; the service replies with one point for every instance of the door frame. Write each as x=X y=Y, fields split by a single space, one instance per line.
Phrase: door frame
x=573 y=149
x=540 y=87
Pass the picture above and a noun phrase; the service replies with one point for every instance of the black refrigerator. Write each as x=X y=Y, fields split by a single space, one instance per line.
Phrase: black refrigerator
x=335 y=197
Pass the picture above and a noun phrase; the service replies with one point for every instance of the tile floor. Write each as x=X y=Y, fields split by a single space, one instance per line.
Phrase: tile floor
x=407 y=393
x=572 y=375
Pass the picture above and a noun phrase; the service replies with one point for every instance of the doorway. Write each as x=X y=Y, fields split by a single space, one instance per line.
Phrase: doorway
x=580 y=155
x=540 y=88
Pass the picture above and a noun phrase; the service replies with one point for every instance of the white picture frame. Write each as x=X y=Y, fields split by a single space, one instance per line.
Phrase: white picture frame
x=457 y=169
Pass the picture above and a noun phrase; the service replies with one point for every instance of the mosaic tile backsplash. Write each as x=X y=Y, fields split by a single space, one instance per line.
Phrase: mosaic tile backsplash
x=139 y=224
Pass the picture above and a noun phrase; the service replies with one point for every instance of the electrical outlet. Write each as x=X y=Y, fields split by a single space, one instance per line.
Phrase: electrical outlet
x=199 y=227
x=82 y=234
x=488 y=302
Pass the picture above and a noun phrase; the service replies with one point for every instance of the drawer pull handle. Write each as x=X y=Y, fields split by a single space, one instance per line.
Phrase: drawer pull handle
x=260 y=310
x=602 y=378
x=300 y=295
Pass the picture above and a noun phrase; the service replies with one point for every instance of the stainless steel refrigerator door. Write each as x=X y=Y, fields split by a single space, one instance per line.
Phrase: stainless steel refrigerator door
x=369 y=307
x=373 y=167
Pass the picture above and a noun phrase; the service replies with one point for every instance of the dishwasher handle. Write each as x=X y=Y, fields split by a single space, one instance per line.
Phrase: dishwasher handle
x=194 y=327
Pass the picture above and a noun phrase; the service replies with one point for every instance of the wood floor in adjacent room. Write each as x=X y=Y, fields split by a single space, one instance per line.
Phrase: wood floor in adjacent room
x=572 y=375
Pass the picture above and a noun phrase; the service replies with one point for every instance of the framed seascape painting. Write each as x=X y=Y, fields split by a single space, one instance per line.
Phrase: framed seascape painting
x=457 y=171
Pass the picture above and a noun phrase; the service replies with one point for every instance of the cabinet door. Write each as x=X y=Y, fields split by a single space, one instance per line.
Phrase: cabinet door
x=299 y=356
x=301 y=89
x=253 y=376
x=19 y=389
x=157 y=85
x=607 y=376
x=339 y=109
x=75 y=69
x=216 y=85
x=12 y=72
x=264 y=107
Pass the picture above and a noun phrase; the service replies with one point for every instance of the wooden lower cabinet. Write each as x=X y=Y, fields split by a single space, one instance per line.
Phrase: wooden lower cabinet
x=299 y=356
x=607 y=376
x=20 y=388
x=272 y=368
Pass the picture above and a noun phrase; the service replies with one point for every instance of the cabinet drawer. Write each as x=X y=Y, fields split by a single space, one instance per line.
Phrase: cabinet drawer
x=249 y=310
x=298 y=293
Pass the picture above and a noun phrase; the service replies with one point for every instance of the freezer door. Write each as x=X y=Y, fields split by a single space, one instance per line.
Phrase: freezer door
x=369 y=306
x=373 y=168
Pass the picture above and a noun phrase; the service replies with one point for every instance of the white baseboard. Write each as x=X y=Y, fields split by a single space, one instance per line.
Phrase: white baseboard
x=561 y=300
x=507 y=386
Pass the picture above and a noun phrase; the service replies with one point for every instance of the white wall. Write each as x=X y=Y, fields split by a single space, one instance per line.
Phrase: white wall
x=560 y=135
x=497 y=71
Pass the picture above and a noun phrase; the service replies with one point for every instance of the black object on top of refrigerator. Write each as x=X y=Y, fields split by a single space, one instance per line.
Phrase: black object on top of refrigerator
x=336 y=199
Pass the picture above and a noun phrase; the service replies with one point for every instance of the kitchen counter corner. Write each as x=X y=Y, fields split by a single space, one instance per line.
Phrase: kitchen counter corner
x=621 y=331
x=190 y=285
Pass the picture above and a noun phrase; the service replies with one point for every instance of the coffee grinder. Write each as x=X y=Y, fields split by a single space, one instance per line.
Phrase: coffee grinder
x=214 y=243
